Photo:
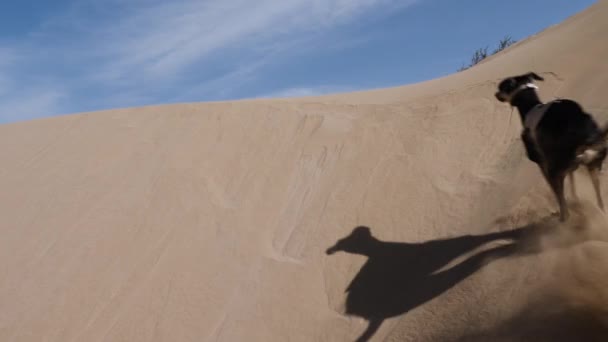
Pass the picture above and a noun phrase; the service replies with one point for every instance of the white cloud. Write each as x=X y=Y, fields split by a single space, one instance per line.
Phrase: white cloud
x=34 y=104
x=7 y=56
x=25 y=97
x=161 y=39
x=307 y=91
x=5 y=84
x=167 y=50
x=7 y=59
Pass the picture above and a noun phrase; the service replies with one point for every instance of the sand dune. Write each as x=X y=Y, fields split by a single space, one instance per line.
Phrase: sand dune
x=402 y=214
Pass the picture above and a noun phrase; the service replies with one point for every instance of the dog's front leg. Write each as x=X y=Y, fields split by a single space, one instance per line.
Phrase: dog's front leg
x=595 y=179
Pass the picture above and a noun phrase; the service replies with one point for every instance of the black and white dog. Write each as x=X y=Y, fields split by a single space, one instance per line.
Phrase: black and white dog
x=559 y=135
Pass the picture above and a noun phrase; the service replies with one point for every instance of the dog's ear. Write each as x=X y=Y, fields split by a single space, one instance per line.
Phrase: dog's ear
x=534 y=76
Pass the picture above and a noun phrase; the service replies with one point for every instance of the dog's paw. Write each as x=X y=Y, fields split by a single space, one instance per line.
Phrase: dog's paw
x=587 y=156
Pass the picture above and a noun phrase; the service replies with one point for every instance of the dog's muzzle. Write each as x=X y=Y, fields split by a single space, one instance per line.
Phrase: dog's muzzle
x=500 y=96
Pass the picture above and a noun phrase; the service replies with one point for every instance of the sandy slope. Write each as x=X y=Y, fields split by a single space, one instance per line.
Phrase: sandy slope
x=210 y=222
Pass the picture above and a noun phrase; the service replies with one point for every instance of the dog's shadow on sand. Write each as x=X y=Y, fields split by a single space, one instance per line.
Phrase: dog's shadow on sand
x=399 y=277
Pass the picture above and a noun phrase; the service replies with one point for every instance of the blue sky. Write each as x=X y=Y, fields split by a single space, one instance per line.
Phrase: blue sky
x=70 y=56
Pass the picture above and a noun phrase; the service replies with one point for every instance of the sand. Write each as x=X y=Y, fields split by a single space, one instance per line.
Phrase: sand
x=401 y=214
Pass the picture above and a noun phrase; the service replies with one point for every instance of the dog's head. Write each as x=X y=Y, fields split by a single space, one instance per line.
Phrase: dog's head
x=509 y=87
x=357 y=242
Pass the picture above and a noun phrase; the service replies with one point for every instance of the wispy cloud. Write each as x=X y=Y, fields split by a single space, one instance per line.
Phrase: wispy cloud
x=100 y=52
x=166 y=38
x=165 y=41
x=25 y=94
x=7 y=59
x=7 y=56
x=307 y=91
x=29 y=105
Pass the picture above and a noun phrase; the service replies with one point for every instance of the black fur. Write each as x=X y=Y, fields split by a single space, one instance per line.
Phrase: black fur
x=563 y=134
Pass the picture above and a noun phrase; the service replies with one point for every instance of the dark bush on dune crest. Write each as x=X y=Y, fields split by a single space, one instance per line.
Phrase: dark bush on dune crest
x=482 y=53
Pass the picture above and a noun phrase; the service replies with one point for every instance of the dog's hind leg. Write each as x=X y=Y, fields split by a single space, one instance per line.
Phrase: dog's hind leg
x=572 y=185
x=556 y=181
x=595 y=179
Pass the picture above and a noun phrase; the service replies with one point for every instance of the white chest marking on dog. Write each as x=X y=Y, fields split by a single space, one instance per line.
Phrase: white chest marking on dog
x=519 y=89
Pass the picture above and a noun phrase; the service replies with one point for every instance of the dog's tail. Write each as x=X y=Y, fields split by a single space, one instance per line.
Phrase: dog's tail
x=599 y=140
x=588 y=153
x=604 y=132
